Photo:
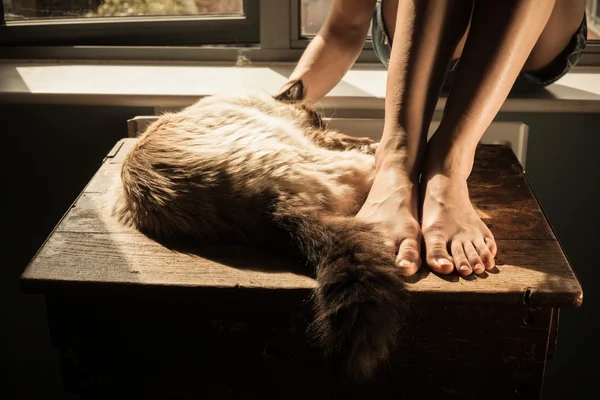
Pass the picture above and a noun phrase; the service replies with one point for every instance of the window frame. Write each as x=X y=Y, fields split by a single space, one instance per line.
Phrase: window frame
x=270 y=30
x=591 y=55
x=134 y=31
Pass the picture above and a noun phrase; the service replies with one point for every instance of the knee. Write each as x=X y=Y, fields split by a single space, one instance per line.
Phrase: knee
x=563 y=24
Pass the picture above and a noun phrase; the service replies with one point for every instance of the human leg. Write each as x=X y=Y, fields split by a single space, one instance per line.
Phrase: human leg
x=424 y=36
x=504 y=38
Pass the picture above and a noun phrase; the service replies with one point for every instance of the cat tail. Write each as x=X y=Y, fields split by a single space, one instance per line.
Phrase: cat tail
x=360 y=297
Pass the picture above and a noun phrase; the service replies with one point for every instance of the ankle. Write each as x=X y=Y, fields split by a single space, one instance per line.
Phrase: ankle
x=441 y=186
x=398 y=166
x=397 y=160
x=452 y=170
x=453 y=160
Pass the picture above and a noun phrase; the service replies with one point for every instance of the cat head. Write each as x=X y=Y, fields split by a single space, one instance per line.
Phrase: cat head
x=295 y=95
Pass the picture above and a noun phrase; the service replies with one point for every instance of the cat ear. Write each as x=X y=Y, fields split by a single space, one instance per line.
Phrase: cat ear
x=293 y=93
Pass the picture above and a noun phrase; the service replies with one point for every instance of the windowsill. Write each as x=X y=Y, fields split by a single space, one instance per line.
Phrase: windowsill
x=178 y=85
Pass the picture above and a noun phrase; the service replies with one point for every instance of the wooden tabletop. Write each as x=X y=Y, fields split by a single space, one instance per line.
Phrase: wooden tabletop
x=90 y=249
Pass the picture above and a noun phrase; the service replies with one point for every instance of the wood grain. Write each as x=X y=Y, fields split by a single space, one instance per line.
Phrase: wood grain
x=90 y=247
x=121 y=258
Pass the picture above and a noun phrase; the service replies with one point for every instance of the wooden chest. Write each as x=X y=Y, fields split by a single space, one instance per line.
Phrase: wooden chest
x=132 y=318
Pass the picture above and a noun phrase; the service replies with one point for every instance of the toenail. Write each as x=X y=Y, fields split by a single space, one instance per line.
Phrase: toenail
x=443 y=261
x=405 y=264
x=479 y=267
x=464 y=267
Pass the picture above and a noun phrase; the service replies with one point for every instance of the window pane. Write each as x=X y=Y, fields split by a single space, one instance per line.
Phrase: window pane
x=314 y=12
x=15 y=10
x=593 y=19
x=312 y=16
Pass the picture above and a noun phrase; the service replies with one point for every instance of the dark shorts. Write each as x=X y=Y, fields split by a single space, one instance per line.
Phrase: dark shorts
x=526 y=81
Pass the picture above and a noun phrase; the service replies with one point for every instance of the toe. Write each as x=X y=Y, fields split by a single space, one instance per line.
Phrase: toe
x=484 y=253
x=409 y=259
x=460 y=259
x=491 y=244
x=438 y=258
x=473 y=257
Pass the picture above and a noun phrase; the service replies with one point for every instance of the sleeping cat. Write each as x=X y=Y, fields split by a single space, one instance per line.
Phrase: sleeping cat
x=256 y=168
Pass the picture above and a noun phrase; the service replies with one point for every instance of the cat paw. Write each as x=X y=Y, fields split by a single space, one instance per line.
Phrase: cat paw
x=370 y=148
x=364 y=145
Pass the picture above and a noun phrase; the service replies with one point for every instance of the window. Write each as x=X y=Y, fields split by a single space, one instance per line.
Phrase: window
x=314 y=12
x=15 y=10
x=129 y=22
x=312 y=16
x=182 y=30
x=593 y=19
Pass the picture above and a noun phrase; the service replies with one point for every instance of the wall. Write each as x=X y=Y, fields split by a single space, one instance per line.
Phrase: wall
x=50 y=152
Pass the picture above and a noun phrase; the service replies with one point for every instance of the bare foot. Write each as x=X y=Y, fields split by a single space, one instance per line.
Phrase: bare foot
x=392 y=204
x=455 y=237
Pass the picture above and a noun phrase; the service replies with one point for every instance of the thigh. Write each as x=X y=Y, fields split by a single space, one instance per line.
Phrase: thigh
x=556 y=51
x=561 y=29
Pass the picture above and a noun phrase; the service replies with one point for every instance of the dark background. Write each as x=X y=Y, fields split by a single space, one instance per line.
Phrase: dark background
x=50 y=153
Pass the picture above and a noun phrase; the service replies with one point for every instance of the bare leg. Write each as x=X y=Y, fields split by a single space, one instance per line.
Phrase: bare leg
x=563 y=23
x=425 y=33
x=501 y=41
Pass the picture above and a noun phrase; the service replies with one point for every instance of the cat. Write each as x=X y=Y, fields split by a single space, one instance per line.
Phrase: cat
x=249 y=167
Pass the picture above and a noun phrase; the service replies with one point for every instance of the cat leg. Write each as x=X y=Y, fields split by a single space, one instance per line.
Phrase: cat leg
x=334 y=140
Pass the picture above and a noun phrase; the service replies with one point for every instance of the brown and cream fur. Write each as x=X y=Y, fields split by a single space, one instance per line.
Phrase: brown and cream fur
x=254 y=168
